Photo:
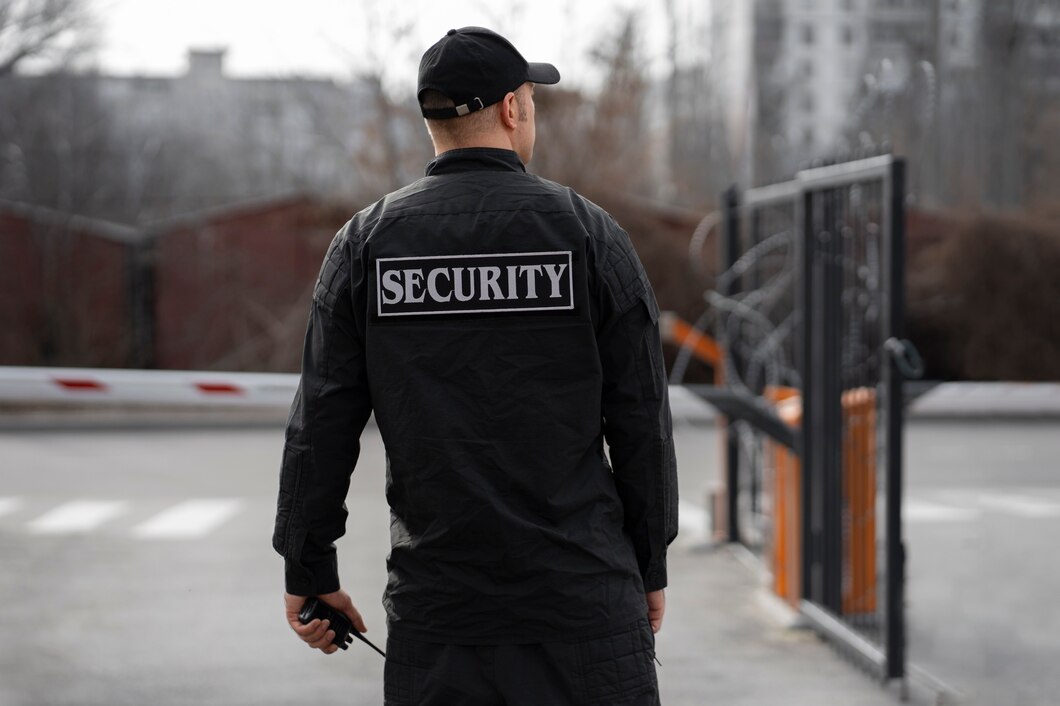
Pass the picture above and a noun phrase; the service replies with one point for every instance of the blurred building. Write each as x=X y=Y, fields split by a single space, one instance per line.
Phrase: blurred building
x=794 y=67
x=949 y=81
x=137 y=148
x=1006 y=106
x=222 y=138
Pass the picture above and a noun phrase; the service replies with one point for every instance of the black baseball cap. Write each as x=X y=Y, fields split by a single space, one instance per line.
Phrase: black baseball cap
x=475 y=67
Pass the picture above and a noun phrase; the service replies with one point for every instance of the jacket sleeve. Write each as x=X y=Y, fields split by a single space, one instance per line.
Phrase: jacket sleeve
x=636 y=407
x=329 y=412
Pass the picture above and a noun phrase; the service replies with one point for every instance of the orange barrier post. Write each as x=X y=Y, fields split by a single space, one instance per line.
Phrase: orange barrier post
x=859 y=482
x=786 y=495
x=859 y=511
x=859 y=501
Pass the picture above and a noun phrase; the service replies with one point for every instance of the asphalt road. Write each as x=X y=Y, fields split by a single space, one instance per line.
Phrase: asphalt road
x=982 y=523
x=137 y=565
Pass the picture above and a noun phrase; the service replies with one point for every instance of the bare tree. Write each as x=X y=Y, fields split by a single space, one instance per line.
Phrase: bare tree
x=599 y=142
x=1001 y=142
x=393 y=145
x=41 y=29
x=1036 y=42
x=56 y=140
x=53 y=136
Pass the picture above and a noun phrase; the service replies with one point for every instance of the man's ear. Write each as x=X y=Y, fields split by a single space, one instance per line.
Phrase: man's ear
x=510 y=111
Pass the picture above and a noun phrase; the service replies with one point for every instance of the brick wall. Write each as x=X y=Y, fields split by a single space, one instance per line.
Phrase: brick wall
x=64 y=298
x=232 y=291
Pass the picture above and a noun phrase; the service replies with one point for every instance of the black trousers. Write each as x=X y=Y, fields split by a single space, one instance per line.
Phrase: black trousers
x=614 y=670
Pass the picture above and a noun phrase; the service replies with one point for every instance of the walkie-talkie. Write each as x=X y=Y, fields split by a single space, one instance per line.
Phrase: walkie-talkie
x=316 y=609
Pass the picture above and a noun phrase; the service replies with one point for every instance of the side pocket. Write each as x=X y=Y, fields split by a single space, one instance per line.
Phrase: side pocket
x=398 y=679
x=617 y=667
x=405 y=674
x=399 y=674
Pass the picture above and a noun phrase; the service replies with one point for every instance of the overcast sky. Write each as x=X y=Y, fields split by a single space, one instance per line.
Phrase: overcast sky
x=339 y=37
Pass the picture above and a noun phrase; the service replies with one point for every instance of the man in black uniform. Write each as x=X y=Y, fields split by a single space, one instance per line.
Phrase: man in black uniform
x=501 y=328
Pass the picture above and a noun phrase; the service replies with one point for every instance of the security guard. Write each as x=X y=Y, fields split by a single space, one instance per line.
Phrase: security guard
x=501 y=327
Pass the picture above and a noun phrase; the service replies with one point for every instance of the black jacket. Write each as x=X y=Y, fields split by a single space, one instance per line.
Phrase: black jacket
x=501 y=327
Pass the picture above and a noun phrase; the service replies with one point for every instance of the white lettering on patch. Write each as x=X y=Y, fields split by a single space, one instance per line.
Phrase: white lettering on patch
x=474 y=284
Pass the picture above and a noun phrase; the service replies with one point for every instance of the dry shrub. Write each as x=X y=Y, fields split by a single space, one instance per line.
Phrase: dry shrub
x=661 y=235
x=984 y=297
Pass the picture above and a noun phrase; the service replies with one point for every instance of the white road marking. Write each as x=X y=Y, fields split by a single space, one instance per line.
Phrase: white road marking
x=1020 y=505
x=77 y=517
x=923 y=511
x=9 y=505
x=190 y=519
x=693 y=521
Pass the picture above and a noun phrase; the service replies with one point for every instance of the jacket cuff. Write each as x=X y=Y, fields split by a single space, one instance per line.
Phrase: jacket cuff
x=655 y=579
x=312 y=580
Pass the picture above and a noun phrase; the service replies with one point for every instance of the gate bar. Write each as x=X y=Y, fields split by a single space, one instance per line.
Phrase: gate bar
x=894 y=191
x=839 y=634
x=729 y=245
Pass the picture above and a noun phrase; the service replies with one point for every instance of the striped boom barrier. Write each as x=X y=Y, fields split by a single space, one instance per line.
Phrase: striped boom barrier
x=161 y=387
x=189 y=388
x=29 y=385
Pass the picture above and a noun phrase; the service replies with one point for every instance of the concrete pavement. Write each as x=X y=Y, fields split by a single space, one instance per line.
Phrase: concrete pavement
x=104 y=613
x=983 y=503
x=724 y=643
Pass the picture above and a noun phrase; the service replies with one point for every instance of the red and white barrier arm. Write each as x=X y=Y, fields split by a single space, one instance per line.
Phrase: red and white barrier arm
x=196 y=388
x=164 y=387
x=193 y=389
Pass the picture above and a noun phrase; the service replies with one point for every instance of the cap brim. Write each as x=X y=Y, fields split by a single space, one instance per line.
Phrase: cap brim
x=542 y=73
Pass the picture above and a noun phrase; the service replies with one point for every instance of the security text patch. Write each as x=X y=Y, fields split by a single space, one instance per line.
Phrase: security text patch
x=472 y=284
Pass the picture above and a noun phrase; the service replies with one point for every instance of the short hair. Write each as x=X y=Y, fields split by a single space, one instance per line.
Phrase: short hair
x=462 y=128
x=465 y=127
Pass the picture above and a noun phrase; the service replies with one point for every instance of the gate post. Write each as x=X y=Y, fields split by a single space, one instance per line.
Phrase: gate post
x=729 y=253
x=818 y=303
x=829 y=466
x=895 y=264
x=804 y=252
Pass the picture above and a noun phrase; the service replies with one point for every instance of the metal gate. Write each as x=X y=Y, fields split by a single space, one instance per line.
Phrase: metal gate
x=810 y=309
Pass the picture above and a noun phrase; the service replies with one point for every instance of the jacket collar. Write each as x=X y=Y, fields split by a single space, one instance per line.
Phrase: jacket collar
x=473 y=159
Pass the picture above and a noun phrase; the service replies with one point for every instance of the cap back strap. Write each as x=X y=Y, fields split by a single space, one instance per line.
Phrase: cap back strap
x=458 y=111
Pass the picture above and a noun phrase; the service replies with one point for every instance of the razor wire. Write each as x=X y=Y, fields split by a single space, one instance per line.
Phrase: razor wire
x=754 y=328
x=742 y=321
x=756 y=325
x=755 y=320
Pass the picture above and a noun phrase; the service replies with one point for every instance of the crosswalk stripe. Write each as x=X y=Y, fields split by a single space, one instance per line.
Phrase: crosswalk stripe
x=77 y=516
x=693 y=521
x=190 y=519
x=924 y=511
x=9 y=505
x=1021 y=505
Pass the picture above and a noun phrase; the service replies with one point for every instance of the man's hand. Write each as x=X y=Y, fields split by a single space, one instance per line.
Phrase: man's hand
x=656 y=608
x=317 y=633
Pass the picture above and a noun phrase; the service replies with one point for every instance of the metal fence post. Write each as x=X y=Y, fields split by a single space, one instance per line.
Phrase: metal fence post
x=729 y=246
x=804 y=249
x=829 y=470
x=895 y=628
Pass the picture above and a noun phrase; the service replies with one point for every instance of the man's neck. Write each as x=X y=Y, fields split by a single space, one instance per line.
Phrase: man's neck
x=495 y=141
